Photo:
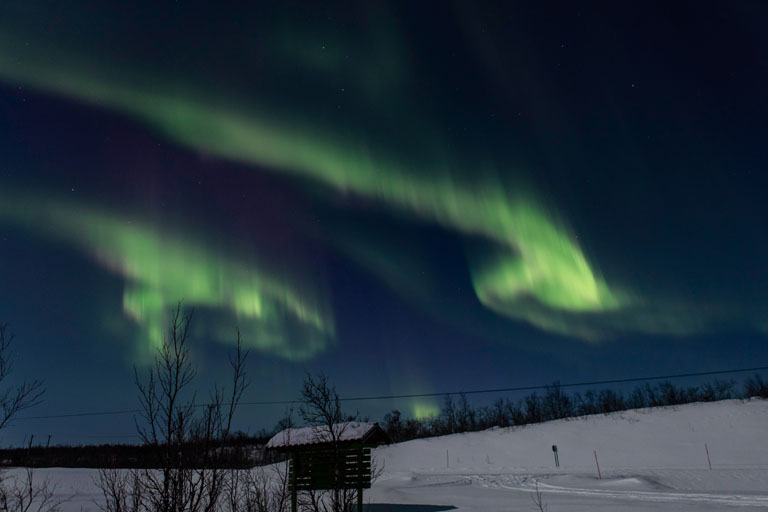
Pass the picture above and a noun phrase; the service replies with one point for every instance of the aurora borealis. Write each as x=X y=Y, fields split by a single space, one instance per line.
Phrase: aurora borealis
x=160 y=268
x=449 y=190
x=539 y=257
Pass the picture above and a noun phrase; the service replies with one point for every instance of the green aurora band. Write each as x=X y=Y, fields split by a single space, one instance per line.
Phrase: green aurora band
x=537 y=257
x=536 y=272
x=422 y=410
x=161 y=267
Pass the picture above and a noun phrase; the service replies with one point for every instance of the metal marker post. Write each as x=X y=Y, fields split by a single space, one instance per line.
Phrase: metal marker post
x=708 y=460
x=557 y=458
x=598 y=467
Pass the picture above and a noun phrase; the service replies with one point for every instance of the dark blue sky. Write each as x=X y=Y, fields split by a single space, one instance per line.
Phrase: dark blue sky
x=410 y=198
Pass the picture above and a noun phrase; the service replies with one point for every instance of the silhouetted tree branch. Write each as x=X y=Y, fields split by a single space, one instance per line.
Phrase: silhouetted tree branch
x=21 y=493
x=189 y=439
x=14 y=398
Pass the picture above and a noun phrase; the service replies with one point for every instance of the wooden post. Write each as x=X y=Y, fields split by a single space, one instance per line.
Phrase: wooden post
x=598 y=467
x=708 y=460
x=294 y=497
x=360 y=478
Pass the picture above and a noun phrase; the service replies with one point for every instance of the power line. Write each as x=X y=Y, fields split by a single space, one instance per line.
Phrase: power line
x=569 y=385
x=427 y=395
x=80 y=414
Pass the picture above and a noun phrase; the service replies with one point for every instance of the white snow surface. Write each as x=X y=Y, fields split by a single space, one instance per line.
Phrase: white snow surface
x=348 y=431
x=650 y=459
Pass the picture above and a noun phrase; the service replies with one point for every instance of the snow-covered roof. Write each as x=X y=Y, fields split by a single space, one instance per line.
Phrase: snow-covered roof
x=349 y=431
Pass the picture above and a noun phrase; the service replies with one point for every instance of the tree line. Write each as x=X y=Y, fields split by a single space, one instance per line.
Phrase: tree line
x=459 y=415
x=241 y=451
x=455 y=416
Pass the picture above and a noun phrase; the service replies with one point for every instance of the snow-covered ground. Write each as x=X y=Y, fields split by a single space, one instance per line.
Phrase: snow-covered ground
x=651 y=459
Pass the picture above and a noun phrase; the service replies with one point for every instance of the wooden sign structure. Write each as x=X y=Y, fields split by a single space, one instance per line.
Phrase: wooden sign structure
x=325 y=459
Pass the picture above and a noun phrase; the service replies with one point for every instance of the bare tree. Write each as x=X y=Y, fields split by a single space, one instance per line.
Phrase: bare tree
x=26 y=494
x=321 y=408
x=448 y=414
x=320 y=404
x=21 y=492
x=187 y=438
x=261 y=489
x=121 y=489
x=14 y=398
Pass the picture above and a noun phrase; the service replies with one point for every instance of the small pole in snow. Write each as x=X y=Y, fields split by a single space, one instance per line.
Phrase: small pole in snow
x=446 y=459
x=708 y=460
x=598 y=466
x=557 y=458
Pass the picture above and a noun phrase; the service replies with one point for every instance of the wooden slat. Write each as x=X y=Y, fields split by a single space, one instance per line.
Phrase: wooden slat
x=321 y=468
x=366 y=473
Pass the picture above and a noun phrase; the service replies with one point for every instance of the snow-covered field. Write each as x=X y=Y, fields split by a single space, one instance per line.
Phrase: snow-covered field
x=651 y=459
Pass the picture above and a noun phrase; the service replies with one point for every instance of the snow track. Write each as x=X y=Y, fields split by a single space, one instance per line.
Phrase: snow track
x=743 y=500
x=651 y=459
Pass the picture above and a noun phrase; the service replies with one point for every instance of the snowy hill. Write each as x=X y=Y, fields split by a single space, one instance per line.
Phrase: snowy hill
x=651 y=459
x=735 y=431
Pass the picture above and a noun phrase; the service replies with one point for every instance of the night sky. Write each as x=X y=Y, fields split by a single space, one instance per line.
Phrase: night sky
x=411 y=197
